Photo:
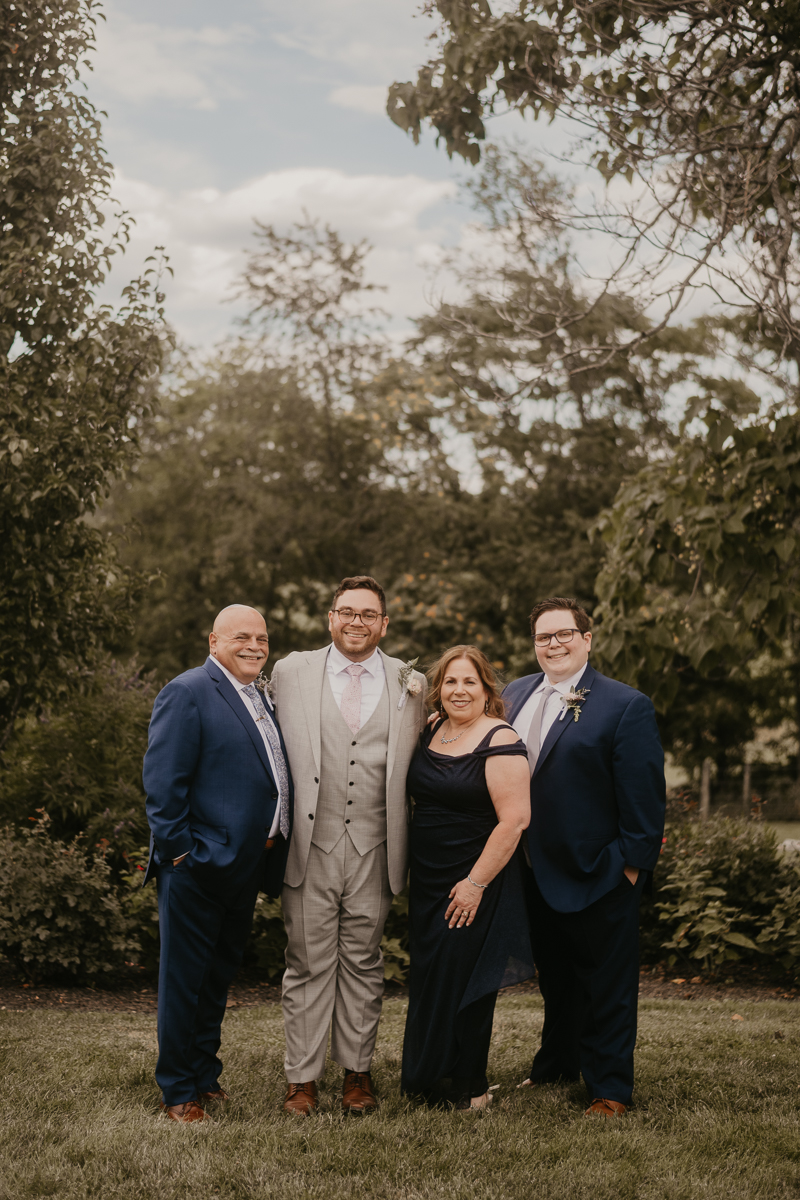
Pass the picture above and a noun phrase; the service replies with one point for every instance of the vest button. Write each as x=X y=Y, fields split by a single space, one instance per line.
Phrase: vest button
x=349 y=801
x=352 y=762
x=347 y=821
x=352 y=784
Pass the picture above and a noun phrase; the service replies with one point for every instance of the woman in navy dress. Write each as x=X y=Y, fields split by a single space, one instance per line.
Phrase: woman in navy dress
x=470 y=784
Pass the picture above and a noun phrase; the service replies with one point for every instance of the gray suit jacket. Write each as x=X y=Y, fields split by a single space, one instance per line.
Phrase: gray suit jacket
x=296 y=688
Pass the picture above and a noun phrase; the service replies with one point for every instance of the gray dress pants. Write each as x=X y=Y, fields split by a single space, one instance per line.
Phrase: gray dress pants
x=334 y=966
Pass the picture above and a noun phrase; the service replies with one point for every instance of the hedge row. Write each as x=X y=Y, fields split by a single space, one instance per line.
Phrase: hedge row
x=723 y=892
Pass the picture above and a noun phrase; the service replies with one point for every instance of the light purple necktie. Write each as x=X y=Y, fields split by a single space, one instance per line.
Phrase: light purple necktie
x=534 y=742
x=268 y=725
x=351 y=697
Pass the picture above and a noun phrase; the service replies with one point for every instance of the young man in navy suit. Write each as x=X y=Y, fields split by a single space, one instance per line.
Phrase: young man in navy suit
x=219 y=805
x=597 y=818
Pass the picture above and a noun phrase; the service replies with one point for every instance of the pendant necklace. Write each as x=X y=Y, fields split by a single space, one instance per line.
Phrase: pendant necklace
x=448 y=741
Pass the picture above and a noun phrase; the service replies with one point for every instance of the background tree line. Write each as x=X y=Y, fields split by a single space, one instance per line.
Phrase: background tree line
x=540 y=433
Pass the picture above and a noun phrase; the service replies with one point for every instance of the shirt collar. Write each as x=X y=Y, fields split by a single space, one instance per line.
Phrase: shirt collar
x=337 y=661
x=565 y=684
x=237 y=683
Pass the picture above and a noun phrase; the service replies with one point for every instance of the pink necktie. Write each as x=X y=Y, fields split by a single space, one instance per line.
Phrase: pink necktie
x=351 y=698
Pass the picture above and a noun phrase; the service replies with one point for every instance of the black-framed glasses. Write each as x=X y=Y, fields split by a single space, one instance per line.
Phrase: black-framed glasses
x=561 y=635
x=348 y=615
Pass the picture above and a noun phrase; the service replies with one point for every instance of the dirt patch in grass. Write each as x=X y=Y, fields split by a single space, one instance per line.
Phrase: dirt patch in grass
x=133 y=993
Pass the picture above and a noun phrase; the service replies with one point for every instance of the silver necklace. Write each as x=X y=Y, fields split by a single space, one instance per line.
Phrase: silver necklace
x=448 y=741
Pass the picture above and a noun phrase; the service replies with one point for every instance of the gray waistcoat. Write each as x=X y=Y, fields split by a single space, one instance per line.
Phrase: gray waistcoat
x=352 y=778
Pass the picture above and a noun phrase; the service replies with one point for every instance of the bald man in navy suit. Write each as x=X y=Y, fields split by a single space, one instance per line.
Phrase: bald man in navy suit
x=597 y=819
x=219 y=804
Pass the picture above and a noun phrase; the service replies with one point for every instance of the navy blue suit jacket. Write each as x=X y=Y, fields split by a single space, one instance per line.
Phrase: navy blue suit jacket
x=210 y=789
x=598 y=793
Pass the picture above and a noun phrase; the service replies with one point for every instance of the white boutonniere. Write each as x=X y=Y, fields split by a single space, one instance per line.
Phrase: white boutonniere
x=572 y=702
x=409 y=686
x=264 y=685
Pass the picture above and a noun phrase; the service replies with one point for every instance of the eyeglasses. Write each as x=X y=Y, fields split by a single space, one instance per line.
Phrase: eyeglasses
x=348 y=615
x=561 y=635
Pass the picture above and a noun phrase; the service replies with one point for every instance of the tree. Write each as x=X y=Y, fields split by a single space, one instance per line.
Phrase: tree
x=700 y=588
x=74 y=376
x=558 y=409
x=302 y=454
x=700 y=101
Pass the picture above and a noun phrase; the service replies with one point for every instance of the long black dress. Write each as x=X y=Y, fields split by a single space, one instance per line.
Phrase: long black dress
x=455 y=973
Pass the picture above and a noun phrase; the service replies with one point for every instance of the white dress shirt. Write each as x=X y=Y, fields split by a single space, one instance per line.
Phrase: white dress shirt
x=524 y=718
x=248 y=703
x=372 y=680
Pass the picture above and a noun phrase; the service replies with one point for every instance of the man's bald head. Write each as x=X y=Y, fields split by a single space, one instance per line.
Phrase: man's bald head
x=236 y=613
x=239 y=641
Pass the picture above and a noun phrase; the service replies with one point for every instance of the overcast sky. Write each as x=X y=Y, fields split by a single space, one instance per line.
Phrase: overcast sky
x=259 y=108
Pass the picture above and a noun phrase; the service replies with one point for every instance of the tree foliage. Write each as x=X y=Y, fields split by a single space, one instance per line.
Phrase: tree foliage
x=82 y=761
x=73 y=375
x=700 y=101
x=700 y=591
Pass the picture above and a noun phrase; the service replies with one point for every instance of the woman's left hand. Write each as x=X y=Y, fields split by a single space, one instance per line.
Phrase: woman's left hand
x=464 y=900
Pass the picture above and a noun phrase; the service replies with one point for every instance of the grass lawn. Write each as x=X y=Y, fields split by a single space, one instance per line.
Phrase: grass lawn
x=785 y=829
x=717 y=1115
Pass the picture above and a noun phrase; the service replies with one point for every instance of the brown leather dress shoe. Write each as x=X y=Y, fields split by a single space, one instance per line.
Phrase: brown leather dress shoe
x=185 y=1113
x=605 y=1108
x=301 y=1099
x=357 y=1094
x=220 y=1096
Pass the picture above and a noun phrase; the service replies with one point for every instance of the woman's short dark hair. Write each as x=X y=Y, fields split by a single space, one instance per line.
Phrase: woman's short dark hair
x=583 y=621
x=353 y=583
x=483 y=669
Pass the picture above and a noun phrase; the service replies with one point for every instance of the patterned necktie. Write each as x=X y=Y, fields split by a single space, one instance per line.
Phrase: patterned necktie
x=534 y=742
x=268 y=725
x=351 y=697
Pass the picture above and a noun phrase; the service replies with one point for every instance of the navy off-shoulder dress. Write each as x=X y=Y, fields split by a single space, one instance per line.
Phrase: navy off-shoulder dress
x=455 y=973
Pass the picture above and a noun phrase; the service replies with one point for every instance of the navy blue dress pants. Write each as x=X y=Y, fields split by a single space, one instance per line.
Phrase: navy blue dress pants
x=203 y=938
x=588 y=967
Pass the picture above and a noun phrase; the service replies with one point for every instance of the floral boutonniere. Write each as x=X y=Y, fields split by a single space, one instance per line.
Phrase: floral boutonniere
x=264 y=685
x=409 y=686
x=572 y=702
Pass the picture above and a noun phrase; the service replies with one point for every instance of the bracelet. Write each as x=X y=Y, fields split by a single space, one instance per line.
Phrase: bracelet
x=474 y=884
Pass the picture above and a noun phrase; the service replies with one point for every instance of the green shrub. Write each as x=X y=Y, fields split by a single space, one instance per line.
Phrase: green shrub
x=266 y=946
x=83 y=763
x=60 y=914
x=140 y=906
x=724 y=892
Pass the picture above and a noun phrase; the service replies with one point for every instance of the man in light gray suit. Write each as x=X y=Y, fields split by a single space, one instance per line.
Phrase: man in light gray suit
x=351 y=718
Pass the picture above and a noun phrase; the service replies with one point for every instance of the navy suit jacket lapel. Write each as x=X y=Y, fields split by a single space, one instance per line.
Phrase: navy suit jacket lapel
x=522 y=696
x=228 y=693
x=558 y=727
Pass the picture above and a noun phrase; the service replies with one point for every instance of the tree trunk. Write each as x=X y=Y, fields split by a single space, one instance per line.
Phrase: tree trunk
x=705 y=790
x=747 y=791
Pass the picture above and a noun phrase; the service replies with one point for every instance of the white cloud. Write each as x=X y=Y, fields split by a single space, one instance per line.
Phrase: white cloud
x=205 y=233
x=360 y=97
x=143 y=61
x=378 y=38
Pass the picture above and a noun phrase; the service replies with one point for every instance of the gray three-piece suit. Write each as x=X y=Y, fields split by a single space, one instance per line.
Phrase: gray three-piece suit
x=349 y=854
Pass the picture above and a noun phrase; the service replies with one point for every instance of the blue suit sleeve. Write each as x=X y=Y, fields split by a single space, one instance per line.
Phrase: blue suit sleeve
x=639 y=784
x=173 y=750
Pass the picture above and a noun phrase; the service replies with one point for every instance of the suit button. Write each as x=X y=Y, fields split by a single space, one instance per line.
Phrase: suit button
x=352 y=762
x=354 y=743
x=311 y=816
x=347 y=822
x=315 y=779
x=352 y=783
x=349 y=801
